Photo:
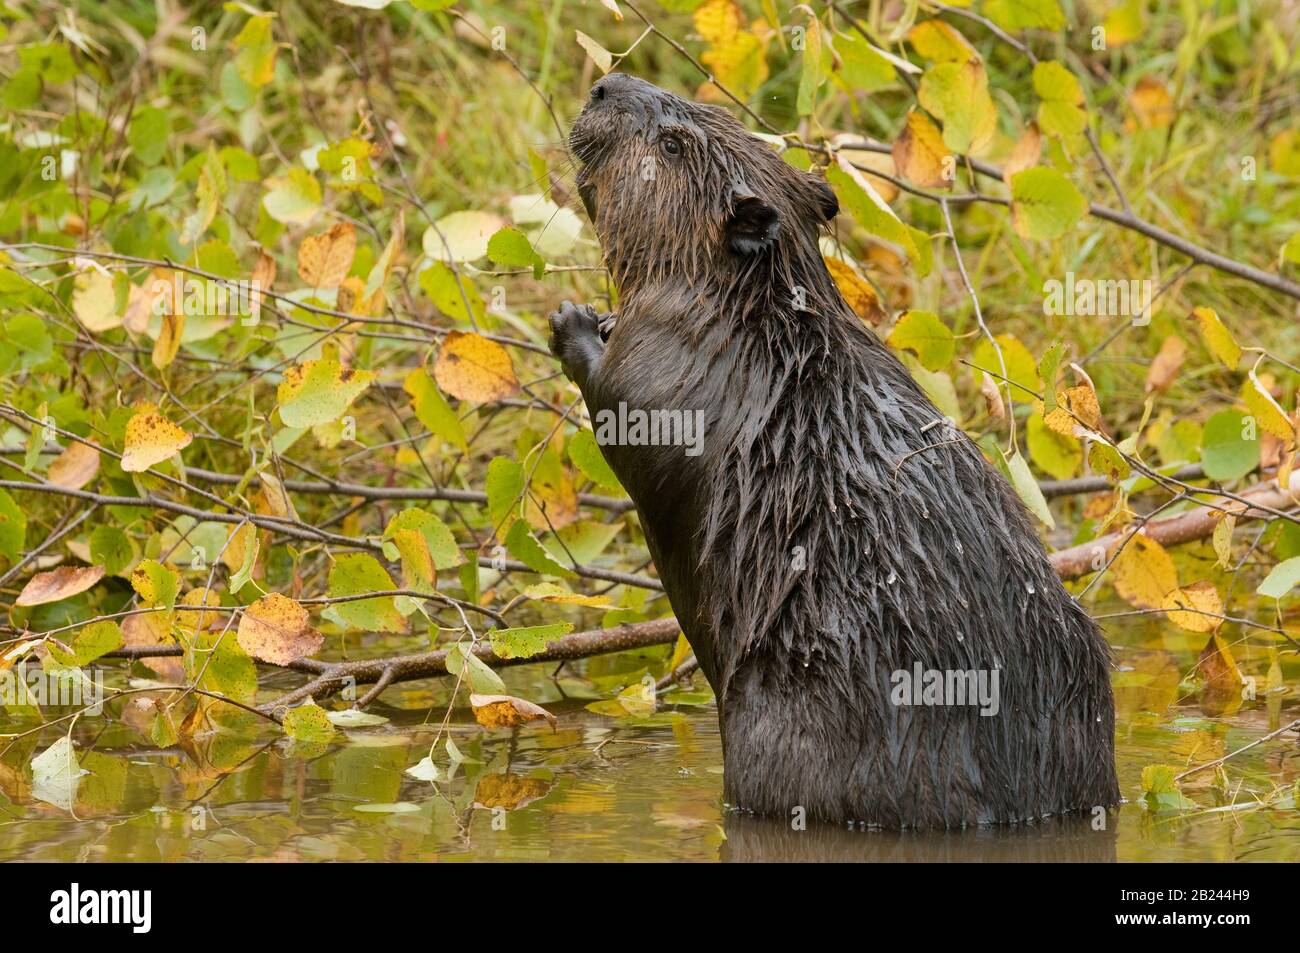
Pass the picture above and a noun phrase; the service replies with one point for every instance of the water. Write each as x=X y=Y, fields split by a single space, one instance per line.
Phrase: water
x=622 y=789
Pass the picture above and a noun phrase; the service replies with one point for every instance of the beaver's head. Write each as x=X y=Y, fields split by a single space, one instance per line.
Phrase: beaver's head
x=678 y=189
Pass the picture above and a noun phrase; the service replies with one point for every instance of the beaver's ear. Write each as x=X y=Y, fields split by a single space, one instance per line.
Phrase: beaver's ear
x=826 y=200
x=752 y=224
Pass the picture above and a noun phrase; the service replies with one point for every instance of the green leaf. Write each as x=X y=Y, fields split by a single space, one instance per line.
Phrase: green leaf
x=442 y=544
x=150 y=129
x=958 y=95
x=1044 y=203
x=90 y=643
x=1061 y=111
x=255 y=51
x=922 y=333
x=1107 y=461
x=110 y=548
x=524 y=546
x=1229 y=446
x=450 y=294
x=308 y=722
x=357 y=574
x=319 y=391
x=432 y=409
x=293 y=199
x=1027 y=488
x=1055 y=454
x=810 y=72
x=1021 y=369
x=1047 y=368
x=510 y=247
x=1025 y=14
x=527 y=641
x=586 y=455
x=464 y=663
x=867 y=207
x=505 y=485
x=1284 y=577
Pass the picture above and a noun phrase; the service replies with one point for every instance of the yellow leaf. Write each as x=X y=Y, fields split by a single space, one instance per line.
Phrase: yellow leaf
x=324 y=259
x=1078 y=402
x=1153 y=107
x=94 y=301
x=1217 y=337
x=1026 y=153
x=1267 y=411
x=474 y=369
x=920 y=153
x=169 y=338
x=717 y=20
x=1144 y=572
x=857 y=292
x=151 y=438
x=1200 y=596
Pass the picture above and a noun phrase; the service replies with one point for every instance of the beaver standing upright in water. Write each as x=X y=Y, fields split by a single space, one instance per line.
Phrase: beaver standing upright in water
x=830 y=546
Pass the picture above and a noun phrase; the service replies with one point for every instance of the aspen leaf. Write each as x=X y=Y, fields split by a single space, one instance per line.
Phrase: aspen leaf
x=869 y=209
x=94 y=301
x=1025 y=14
x=957 y=94
x=293 y=199
x=1144 y=572
x=432 y=409
x=586 y=454
x=550 y=592
x=91 y=642
x=1223 y=540
x=168 y=342
x=151 y=438
x=526 y=641
x=474 y=369
x=1057 y=455
x=74 y=467
x=1217 y=337
x=1229 y=448
x=921 y=155
x=1026 y=487
x=357 y=574
x=1284 y=577
x=1153 y=107
x=940 y=42
x=1267 y=411
x=857 y=291
x=278 y=630
x=56 y=774
x=61 y=583
x=319 y=391
x=1164 y=369
x=922 y=333
x=506 y=711
x=325 y=259
x=1021 y=368
x=1108 y=462
x=1025 y=154
x=717 y=20
x=308 y=722
x=1202 y=597
x=155 y=584
x=461 y=236
x=1060 y=112
x=598 y=54
x=1044 y=203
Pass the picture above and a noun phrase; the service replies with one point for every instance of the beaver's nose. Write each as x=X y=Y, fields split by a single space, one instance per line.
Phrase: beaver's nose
x=611 y=88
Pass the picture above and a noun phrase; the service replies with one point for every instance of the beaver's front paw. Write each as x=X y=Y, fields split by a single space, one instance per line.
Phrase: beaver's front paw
x=576 y=340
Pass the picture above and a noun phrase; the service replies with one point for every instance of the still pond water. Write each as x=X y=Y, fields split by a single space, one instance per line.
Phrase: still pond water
x=611 y=789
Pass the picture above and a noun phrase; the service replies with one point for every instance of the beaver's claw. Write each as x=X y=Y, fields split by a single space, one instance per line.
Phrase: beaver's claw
x=576 y=340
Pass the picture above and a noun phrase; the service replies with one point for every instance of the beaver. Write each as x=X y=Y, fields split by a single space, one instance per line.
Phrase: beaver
x=833 y=547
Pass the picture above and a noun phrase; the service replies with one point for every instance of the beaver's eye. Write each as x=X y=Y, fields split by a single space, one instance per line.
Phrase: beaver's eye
x=671 y=146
